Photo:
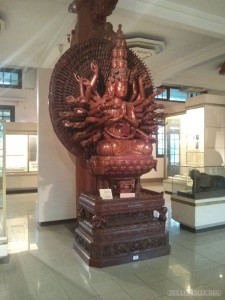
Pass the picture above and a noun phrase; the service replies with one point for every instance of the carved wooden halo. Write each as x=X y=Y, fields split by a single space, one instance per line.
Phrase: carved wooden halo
x=78 y=60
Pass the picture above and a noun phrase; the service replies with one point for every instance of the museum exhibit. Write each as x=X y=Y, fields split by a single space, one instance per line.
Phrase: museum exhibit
x=112 y=136
x=103 y=109
x=197 y=181
x=3 y=231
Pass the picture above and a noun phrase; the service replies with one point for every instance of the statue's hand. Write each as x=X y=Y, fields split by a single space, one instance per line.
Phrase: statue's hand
x=78 y=77
x=82 y=79
x=101 y=106
x=86 y=82
x=70 y=99
x=143 y=77
x=94 y=67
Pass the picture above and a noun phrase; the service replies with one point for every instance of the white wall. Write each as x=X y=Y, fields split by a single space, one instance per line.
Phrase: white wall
x=56 y=180
x=215 y=135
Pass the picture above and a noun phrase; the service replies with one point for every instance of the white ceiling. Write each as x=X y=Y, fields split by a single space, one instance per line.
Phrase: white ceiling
x=193 y=33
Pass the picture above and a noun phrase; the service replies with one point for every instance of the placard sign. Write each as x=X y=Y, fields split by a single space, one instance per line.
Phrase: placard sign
x=106 y=194
x=127 y=195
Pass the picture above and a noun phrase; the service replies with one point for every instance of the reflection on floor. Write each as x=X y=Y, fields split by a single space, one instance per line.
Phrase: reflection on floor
x=43 y=265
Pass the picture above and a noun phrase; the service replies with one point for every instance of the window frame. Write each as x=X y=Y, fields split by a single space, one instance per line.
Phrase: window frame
x=11 y=85
x=161 y=124
x=11 y=108
x=167 y=93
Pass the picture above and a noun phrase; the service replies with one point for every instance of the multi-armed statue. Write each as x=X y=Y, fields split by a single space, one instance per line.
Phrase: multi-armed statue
x=103 y=110
x=113 y=118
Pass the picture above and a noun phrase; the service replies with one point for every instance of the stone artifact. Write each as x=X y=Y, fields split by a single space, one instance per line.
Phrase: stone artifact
x=103 y=110
x=203 y=182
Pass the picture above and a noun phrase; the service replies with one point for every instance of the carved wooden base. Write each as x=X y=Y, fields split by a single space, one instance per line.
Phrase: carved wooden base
x=124 y=230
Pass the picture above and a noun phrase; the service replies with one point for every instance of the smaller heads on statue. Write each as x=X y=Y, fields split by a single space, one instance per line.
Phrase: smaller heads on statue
x=118 y=83
x=114 y=52
x=114 y=63
x=122 y=53
x=122 y=63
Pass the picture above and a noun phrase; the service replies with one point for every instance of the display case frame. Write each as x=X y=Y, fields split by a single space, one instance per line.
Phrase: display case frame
x=3 y=236
x=198 y=198
x=23 y=157
x=22 y=177
x=200 y=182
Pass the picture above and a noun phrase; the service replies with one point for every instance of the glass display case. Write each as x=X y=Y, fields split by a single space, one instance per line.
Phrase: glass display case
x=3 y=239
x=199 y=182
x=184 y=141
x=21 y=153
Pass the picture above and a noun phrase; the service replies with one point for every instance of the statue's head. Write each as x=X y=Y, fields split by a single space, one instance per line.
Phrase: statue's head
x=120 y=89
x=194 y=173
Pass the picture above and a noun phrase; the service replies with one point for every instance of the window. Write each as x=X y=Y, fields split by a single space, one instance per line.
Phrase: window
x=174 y=149
x=160 y=146
x=173 y=152
x=11 y=78
x=7 y=113
x=176 y=94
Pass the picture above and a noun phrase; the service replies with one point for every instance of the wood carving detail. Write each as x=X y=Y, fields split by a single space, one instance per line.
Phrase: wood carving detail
x=100 y=9
x=107 y=236
x=103 y=109
x=139 y=245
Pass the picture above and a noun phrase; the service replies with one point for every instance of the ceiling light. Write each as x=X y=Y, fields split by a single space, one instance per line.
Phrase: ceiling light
x=145 y=48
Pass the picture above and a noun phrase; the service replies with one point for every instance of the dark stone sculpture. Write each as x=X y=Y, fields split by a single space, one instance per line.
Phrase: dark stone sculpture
x=203 y=182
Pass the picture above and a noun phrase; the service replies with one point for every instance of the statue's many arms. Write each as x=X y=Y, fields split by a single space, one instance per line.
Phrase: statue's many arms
x=115 y=128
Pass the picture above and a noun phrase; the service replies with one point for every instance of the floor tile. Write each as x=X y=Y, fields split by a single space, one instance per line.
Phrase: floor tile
x=127 y=281
x=163 y=287
x=121 y=295
x=106 y=287
x=143 y=293
x=151 y=276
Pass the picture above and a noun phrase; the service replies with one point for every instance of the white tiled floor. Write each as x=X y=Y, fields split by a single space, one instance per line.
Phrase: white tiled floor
x=43 y=265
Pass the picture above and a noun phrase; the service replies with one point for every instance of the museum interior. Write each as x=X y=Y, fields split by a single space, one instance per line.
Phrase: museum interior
x=112 y=138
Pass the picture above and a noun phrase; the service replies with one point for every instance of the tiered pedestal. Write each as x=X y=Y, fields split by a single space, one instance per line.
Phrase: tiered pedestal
x=121 y=230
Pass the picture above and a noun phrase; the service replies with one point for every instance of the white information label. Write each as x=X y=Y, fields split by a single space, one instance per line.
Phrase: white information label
x=127 y=195
x=135 y=257
x=106 y=194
